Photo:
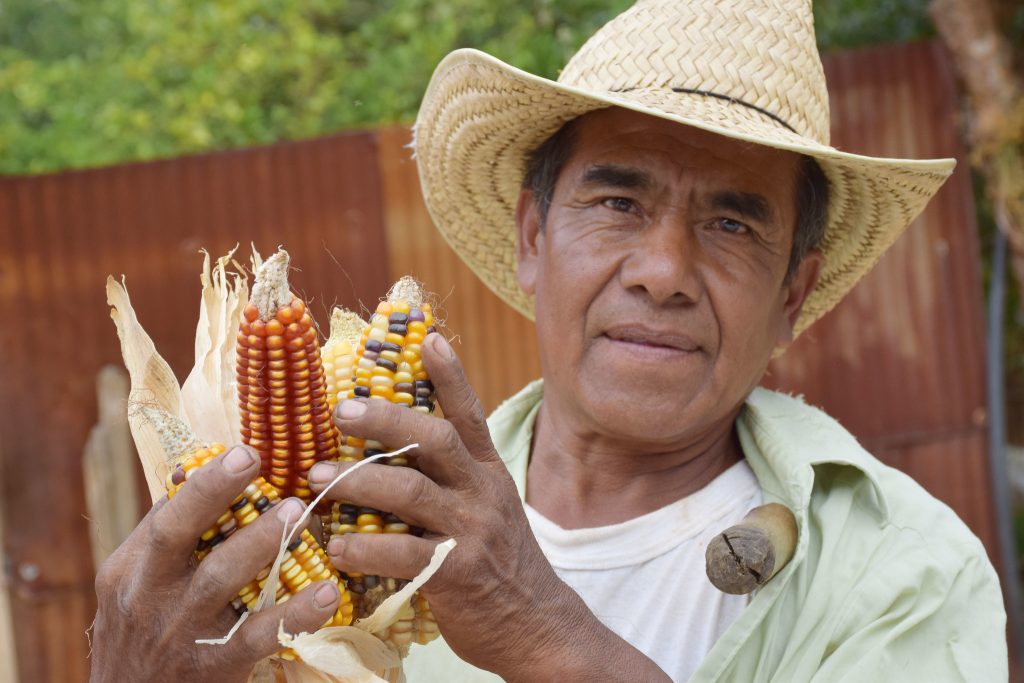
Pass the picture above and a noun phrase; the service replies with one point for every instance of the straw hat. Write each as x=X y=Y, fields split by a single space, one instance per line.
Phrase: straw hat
x=746 y=69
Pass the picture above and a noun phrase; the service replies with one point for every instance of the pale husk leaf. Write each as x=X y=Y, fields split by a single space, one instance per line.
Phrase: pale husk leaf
x=153 y=384
x=210 y=389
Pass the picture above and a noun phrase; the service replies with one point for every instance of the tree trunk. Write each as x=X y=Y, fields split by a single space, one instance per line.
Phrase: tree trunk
x=996 y=103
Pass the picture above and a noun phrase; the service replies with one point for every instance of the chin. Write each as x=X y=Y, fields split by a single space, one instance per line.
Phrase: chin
x=651 y=411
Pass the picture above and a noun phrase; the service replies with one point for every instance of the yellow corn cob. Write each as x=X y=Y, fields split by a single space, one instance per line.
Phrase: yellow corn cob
x=306 y=561
x=282 y=390
x=387 y=365
x=339 y=353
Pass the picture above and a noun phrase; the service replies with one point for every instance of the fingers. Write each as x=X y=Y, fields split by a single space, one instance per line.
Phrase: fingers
x=210 y=490
x=304 y=612
x=457 y=399
x=441 y=454
x=400 y=556
x=232 y=565
x=400 y=490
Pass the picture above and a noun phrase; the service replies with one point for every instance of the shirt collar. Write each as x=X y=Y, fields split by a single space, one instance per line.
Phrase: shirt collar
x=782 y=437
x=784 y=440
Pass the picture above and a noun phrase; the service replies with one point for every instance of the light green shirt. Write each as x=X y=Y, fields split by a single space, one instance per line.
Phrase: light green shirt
x=886 y=584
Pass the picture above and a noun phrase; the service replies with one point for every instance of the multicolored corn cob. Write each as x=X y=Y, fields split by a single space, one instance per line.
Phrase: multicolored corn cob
x=306 y=561
x=282 y=389
x=387 y=365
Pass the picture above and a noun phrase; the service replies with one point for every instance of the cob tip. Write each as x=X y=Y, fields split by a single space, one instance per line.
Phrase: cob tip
x=175 y=436
x=345 y=326
x=270 y=290
x=407 y=289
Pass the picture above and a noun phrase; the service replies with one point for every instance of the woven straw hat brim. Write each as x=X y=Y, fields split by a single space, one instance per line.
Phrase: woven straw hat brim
x=480 y=118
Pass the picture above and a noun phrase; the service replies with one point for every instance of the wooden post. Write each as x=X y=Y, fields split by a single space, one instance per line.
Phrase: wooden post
x=8 y=652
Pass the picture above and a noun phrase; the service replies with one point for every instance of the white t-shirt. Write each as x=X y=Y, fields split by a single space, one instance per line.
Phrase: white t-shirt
x=613 y=568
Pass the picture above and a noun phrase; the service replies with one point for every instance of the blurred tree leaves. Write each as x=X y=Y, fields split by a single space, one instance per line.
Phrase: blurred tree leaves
x=97 y=82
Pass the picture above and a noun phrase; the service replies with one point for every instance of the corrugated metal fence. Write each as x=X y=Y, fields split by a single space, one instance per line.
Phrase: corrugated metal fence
x=900 y=362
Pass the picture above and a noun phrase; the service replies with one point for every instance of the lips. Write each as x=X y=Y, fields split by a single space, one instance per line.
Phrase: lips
x=655 y=338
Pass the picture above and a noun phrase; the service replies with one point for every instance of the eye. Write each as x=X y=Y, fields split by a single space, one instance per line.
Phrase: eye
x=620 y=204
x=732 y=227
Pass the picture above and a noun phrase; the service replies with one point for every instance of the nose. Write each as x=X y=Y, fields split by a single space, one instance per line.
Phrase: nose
x=663 y=263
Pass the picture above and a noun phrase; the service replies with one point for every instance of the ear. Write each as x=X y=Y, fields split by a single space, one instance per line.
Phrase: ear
x=529 y=240
x=795 y=292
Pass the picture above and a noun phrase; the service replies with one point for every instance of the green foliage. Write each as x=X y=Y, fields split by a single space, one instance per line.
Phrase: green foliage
x=844 y=24
x=94 y=83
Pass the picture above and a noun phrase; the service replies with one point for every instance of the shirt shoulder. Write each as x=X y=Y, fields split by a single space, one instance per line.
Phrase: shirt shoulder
x=887 y=583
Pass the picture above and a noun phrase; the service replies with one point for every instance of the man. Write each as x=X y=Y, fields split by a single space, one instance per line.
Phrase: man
x=672 y=215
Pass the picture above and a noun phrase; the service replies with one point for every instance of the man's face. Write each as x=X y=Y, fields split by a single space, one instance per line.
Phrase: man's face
x=660 y=275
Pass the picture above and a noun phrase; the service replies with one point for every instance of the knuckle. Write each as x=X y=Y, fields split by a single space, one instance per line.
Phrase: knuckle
x=449 y=438
x=212 y=578
x=108 y=576
x=418 y=491
x=165 y=530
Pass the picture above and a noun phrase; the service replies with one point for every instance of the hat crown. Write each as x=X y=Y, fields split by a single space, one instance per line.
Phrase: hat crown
x=760 y=54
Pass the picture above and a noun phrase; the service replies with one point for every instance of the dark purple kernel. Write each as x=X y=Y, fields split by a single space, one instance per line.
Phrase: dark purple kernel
x=417 y=314
x=262 y=504
x=239 y=505
x=397 y=318
x=370 y=452
x=405 y=387
x=431 y=329
x=294 y=544
x=372 y=345
x=219 y=538
x=370 y=582
x=362 y=392
x=398 y=329
x=202 y=545
x=424 y=384
x=388 y=346
x=385 y=363
x=424 y=402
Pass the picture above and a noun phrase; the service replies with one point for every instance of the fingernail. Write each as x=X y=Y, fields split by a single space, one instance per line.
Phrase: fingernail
x=441 y=345
x=290 y=509
x=321 y=473
x=238 y=460
x=326 y=595
x=334 y=546
x=350 y=409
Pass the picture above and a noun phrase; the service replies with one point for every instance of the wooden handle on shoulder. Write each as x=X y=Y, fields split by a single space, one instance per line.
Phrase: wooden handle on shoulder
x=749 y=554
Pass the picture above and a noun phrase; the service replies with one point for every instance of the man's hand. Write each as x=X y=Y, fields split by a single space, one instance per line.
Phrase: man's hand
x=154 y=602
x=497 y=600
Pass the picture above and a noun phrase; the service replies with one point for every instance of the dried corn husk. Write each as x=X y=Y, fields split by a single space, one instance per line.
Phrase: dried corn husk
x=348 y=654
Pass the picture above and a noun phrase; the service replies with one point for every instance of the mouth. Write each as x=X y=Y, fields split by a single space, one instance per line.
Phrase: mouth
x=652 y=339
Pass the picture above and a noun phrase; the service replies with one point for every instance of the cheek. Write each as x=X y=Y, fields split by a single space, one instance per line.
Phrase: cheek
x=748 y=323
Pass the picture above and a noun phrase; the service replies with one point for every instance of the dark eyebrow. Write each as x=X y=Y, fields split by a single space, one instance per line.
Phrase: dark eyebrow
x=611 y=175
x=745 y=204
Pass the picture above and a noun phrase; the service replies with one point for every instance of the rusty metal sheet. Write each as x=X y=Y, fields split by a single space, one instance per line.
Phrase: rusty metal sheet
x=61 y=235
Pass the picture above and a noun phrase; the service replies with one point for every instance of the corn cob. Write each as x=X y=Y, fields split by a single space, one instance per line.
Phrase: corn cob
x=282 y=390
x=339 y=353
x=306 y=561
x=387 y=365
